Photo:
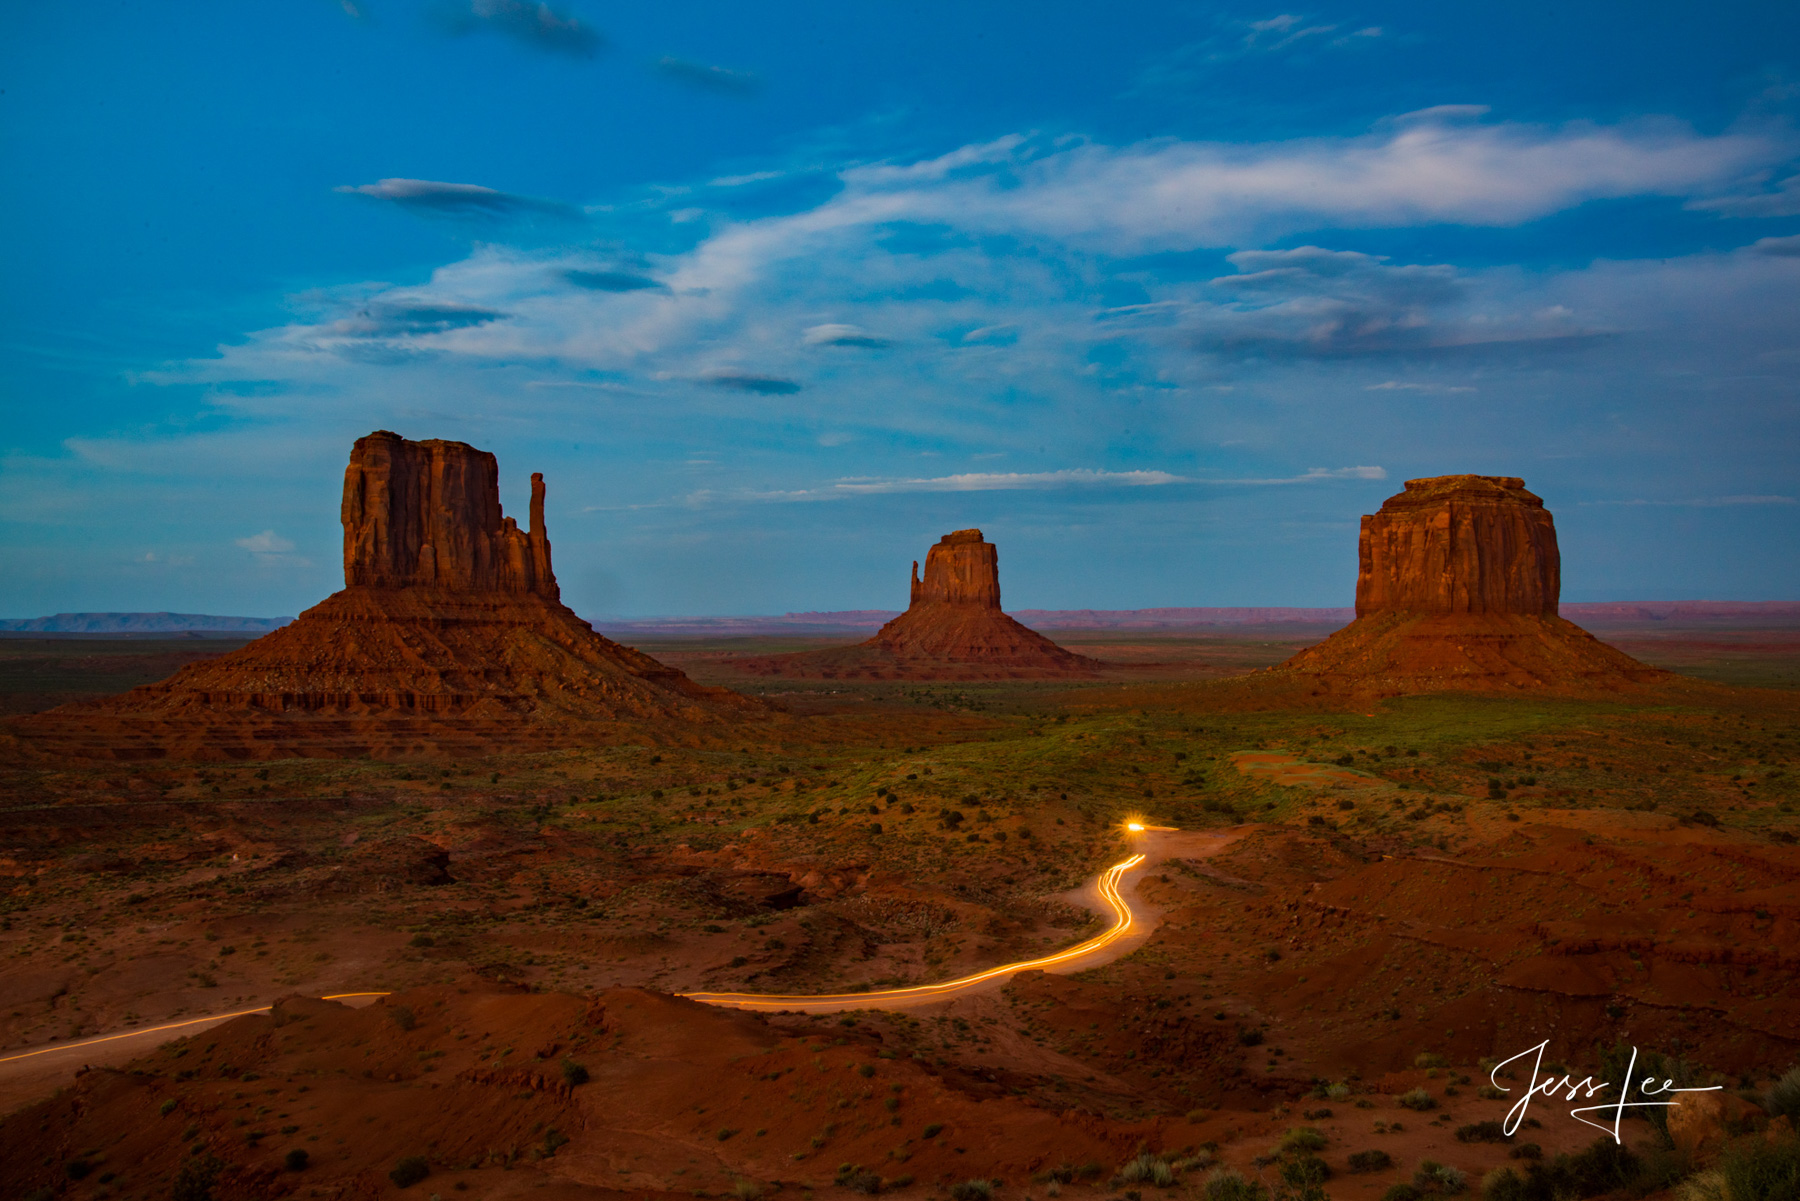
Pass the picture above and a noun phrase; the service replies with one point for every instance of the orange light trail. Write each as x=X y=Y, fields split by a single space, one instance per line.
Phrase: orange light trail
x=217 y=1017
x=1123 y=922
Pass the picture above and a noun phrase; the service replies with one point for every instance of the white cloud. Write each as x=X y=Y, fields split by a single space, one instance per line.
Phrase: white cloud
x=1783 y=201
x=990 y=481
x=840 y=334
x=266 y=543
x=1433 y=167
x=1704 y=502
x=1391 y=385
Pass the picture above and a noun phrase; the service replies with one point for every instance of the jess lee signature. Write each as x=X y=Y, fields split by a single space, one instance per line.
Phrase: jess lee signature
x=1585 y=1089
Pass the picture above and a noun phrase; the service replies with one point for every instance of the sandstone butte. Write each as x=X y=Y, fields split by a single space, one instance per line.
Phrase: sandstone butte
x=953 y=629
x=1457 y=589
x=449 y=635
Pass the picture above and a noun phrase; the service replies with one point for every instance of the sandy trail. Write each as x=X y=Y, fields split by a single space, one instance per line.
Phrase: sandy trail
x=37 y=1071
x=1108 y=893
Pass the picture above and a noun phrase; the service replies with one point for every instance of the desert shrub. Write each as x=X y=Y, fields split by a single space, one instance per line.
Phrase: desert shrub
x=296 y=1160
x=574 y=1074
x=1250 y=1037
x=1370 y=1161
x=1488 y=1092
x=1428 y=1059
x=1305 y=1173
x=1227 y=1185
x=410 y=1170
x=1402 y=1192
x=1754 y=1170
x=746 y=1190
x=972 y=1190
x=1603 y=1167
x=1417 y=1099
x=933 y=1130
x=195 y=1180
x=1526 y=1151
x=1147 y=1169
x=1434 y=1177
x=422 y=940
x=1338 y=1092
x=859 y=1179
x=1482 y=1132
x=1706 y=1186
x=1503 y=1184
x=77 y=1169
x=1303 y=1139
x=1783 y=1097
x=404 y=1017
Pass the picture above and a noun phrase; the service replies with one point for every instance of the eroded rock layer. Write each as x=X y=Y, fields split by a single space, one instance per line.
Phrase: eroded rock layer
x=448 y=636
x=1457 y=589
x=952 y=630
x=1459 y=544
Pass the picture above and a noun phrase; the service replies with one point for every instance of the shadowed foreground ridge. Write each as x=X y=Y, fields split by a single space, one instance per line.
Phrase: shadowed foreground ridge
x=448 y=635
x=953 y=629
x=1457 y=588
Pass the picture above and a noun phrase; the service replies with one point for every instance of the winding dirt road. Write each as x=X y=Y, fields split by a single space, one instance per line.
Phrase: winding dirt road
x=1105 y=893
x=27 y=1074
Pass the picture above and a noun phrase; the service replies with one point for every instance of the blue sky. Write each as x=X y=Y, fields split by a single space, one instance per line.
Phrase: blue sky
x=1160 y=296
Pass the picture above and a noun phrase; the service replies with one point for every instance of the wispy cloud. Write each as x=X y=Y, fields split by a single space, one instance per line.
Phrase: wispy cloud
x=536 y=25
x=762 y=385
x=1781 y=201
x=265 y=545
x=434 y=198
x=1084 y=478
x=1788 y=247
x=1392 y=385
x=1430 y=168
x=992 y=481
x=394 y=317
x=1315 y=475
x=1310 y=302
x=1703 y=502
x=706 y=77
x=612 y=281
x=838 y=334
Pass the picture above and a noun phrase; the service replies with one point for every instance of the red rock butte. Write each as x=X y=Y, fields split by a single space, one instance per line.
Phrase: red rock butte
x=953 y=629
x=1457 y=587
x=448 y=636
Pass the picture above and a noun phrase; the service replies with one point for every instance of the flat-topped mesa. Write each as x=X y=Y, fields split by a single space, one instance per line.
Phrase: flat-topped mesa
x=427 y=515
x=960 y=570
x=1457 y=588
x=1459 y=544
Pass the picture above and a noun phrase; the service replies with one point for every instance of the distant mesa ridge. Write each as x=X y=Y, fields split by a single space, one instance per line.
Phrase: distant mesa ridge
x=1457 y=588
x=1594 y=613
x=139 y=623
x=449 y=635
